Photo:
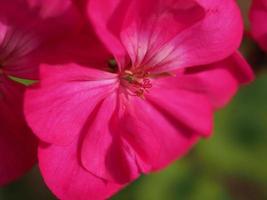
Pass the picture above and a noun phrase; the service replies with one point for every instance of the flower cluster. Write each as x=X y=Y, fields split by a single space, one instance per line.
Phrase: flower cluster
x=121 y=88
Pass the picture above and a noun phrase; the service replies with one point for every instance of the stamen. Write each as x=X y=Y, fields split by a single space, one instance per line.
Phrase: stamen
x=136 y=83
x=147 y=83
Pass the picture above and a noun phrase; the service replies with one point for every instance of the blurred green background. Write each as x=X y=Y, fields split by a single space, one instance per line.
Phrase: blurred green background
x=232 y=165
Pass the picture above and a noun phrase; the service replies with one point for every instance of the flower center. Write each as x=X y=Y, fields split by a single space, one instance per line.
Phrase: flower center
x=136 y=83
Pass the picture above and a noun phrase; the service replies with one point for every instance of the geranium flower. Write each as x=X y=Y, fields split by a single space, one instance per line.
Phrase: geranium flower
x=258 y=14
x=28 y=30
x=143 y=98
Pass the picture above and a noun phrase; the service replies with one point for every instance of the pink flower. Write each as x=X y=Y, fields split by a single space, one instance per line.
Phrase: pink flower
x=26 y=38
x=258 y=14
x=105 y=123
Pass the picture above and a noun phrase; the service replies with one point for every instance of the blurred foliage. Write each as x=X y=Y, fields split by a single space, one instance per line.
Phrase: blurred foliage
x=231 y=165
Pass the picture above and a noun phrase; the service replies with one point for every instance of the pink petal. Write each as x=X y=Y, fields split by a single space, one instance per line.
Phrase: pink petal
x=17 y=143
x=149 y=26
x=216 y=37
x=28 y=13
x=33 y=27
x=219 y=81
x=83 y=47
x=150 y=38
x=258 y=14
x=3 y=30
x=103 y=152
x=50 y=8
x=51 y=74
x=239 y=68
x=68 y=180
x=107 y=18
x=15 y=49
x=191 y=110
x=57 y=110
x=156 y=138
